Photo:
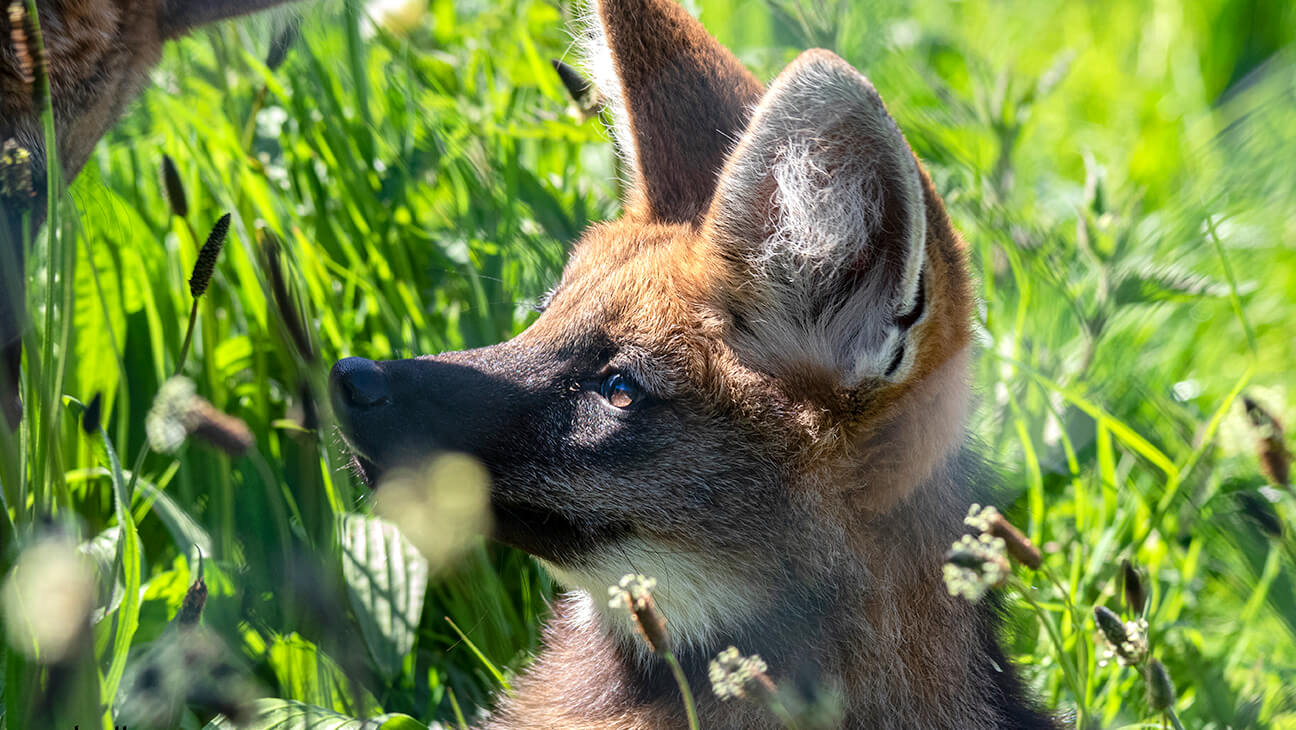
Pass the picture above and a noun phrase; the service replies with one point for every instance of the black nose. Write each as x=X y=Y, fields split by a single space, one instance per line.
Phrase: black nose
x=359 y=383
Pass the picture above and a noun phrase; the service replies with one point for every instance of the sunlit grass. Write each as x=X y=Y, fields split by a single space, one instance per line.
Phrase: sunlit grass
x=1120 y=171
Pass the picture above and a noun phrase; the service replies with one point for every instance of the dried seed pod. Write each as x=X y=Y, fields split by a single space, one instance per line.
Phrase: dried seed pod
x=92 y=415
x=1135 y=593
x=175 y=191
x=1019 y=546
x=1271 y=446
x=205 y=266
x=1160 y=689
x=285 y=302
x=221 y=430
x=282 y=42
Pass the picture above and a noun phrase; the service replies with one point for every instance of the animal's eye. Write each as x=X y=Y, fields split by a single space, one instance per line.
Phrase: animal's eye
x=620 y=391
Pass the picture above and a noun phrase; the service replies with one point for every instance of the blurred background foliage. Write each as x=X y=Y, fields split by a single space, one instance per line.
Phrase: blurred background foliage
x=1122 y=171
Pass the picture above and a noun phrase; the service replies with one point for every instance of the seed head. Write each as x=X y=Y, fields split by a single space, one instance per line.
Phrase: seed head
x=220 y=430
x=167 y=422
x=1271 y=445
x=192 y=607
x=205 y=266
x=974 y=565
x=285 y=302
x=1019 y=546
x=178 y=411
x=15 y=172
x=1260 y=509
x=175 y=191
x=1126 y=642
x=1135 y=594
x=91 y=416
x=280 y=45
x=634 y=594
x=47 y=600
x=576 y=85
x=1160 y=688
x=734 y=676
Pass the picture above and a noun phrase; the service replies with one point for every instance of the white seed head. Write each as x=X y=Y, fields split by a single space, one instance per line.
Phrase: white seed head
x=48 y=599
x=732 y=674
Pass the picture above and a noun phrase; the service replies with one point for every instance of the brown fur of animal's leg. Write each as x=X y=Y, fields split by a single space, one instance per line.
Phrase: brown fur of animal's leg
x=181 y=16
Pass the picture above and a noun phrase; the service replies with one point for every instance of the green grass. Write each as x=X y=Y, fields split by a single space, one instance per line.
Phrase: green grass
x=1120 y=171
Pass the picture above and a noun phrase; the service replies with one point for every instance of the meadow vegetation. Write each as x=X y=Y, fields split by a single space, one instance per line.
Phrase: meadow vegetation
x=405 y=178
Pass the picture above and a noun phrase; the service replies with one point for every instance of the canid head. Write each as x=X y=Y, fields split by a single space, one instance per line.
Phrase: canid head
x=750 y=386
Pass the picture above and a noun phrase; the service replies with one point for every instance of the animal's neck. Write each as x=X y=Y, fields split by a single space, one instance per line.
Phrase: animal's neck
x=862 y=619
x=885 y=642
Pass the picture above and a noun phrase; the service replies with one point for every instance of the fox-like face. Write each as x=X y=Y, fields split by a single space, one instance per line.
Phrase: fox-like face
x=728 y=382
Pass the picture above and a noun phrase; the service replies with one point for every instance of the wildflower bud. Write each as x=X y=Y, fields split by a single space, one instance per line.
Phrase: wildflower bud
x=205 y=266
x=1019 y=546
x=1271 y=447
x=90 y=417
x=1110 y=625
x=221 y=430
x=192 y=607
x=175 y=191
x=734 y=676
x=1160 y=690
x=1262 y=511
x=1135 y=595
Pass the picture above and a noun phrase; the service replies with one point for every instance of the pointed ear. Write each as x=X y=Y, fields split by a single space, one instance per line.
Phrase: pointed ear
x=678 y=101
x=181 y=16
x=821 y=210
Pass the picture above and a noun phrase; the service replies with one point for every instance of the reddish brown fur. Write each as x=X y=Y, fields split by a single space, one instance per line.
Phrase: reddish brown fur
x=687 y=98
x=879 y=462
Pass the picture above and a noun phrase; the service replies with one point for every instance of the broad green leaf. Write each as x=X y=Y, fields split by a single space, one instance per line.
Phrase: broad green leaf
x=102 y=549
x=277 y=714
x=306 y=673
x=386 y=578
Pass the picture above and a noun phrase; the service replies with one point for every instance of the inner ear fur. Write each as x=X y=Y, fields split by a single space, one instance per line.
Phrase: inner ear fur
x=821 y=213
x=678 y=101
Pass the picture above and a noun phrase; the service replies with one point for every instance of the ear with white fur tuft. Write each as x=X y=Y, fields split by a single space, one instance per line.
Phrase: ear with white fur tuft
x=678 y=100
x=821 y=210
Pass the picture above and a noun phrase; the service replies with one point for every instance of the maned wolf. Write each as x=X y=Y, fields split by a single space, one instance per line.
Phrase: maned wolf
x=753 y=386
x=99 y=53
